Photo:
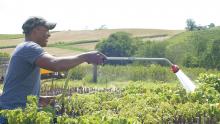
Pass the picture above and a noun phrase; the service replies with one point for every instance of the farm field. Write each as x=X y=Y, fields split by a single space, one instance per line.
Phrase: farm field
x=109 y=62
x=51 y=50
x=88 y=35
x=119 y=100
x=60 y=52
x=136 y=93
x=10 y=36
x=136 y=102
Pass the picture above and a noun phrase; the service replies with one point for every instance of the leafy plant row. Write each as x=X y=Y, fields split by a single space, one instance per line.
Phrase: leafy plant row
x=137 y=103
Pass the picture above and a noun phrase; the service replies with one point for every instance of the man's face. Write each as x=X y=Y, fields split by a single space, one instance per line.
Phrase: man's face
x=42 y=34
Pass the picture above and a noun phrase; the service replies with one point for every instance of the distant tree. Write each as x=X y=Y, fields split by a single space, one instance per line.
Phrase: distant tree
x=102 y=27
x=119 y=44
x=211 y=25
x=191 y=24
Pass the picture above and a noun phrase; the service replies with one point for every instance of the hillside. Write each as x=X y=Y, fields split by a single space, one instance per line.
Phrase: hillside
x=7 y=44
x=194 y=48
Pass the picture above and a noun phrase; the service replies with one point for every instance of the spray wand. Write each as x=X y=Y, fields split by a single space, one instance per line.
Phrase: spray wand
x=185 y=81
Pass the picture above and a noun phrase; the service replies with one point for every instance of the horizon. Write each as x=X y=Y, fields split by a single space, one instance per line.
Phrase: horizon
x=51 y=31
x=114 y=14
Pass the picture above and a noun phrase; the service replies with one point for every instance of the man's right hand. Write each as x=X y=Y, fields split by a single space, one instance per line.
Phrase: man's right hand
x=94 y=57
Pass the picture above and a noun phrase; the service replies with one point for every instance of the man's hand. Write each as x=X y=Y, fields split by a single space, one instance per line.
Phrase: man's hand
x=94 y=57
x=46 y=100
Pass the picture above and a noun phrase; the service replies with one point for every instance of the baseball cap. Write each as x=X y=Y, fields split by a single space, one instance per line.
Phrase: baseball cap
x=33 y=22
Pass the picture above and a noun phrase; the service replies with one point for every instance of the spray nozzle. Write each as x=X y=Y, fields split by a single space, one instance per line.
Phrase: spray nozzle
x=175 y=68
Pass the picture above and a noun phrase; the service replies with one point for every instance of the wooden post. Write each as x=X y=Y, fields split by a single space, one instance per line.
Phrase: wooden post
x=94 y=73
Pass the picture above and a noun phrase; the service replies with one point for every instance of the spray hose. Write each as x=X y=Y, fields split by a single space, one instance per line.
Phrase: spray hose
x=174 y=67
x=139 y=58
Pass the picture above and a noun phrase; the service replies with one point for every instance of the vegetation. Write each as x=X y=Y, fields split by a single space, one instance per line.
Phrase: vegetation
x=146 y=92
x=60 y=44
x=10 y=36
x=190 y=49
x=109 y=74
x=136 y=103
x=191 y=25
x=88 y=35
x=3 y=54
x=198 y=49
x=119 y=44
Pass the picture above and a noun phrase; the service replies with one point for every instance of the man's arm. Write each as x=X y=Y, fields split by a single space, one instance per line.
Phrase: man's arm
x=53 y=63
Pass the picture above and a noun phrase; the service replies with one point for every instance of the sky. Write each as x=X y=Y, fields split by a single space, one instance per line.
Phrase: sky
x=92 y=14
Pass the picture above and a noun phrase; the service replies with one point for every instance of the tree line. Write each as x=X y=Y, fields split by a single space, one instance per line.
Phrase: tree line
x=191 y=25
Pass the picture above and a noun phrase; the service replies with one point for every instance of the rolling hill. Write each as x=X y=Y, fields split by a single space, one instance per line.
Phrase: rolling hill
x=8 y=43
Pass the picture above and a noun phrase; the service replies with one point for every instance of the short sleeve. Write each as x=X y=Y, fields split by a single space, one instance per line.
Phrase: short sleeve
x=31 y=51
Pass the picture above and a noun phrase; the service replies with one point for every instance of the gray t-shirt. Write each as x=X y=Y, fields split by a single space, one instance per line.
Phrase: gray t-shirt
x=22 y=76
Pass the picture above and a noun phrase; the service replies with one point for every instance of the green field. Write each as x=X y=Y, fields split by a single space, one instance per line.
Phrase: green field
x=136 y=102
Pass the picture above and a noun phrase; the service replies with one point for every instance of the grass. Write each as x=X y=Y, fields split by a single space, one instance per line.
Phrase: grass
x=72 y=43
x=88 y=46
x=10 y=36
x=7 y=50
x=81 y=46
x=9 y=43
x=73 y=48
x=181 y=37
x=6 y=47
x=210 y=34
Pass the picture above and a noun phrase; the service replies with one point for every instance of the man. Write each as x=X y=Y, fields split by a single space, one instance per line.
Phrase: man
x=23 y=74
